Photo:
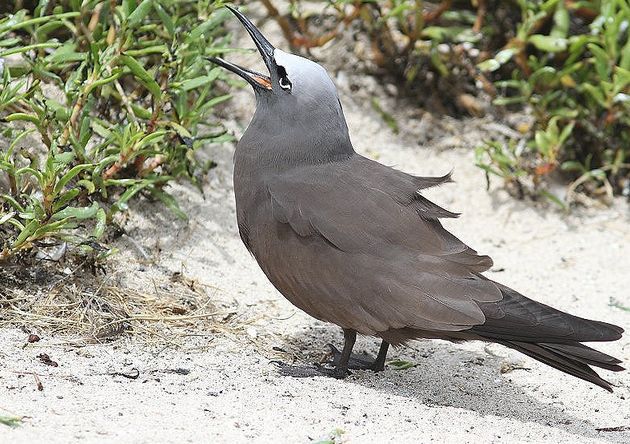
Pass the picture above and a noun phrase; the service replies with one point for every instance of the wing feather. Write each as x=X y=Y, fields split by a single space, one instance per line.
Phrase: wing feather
x=363 y=249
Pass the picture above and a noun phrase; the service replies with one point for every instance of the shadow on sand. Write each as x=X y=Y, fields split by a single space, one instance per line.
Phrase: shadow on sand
x=446 y=375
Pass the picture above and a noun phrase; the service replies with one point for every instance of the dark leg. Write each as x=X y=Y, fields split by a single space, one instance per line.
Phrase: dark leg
x=340 y=362
x=379 y=363
x=349 y=338
x=362 y=362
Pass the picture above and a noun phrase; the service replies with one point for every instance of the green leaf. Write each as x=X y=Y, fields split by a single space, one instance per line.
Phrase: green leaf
x=505 y=55
x=437 y=62
x=387 y=117
x=101 y=223
x=76 y=212
x=25 y=233
x=23 y=117
x=65 y=198
x=128 y=7
x=27 y=48
x=504 y=101
x=566 y=132
x=70 y=175
x=151 y=139
x=11 y=201
x=170 y=202
x=542 y=143
x=63 y=158
x=218 y=17
x=62 y=112
x=566 y=113
x=624 y=61
x=19 y=23
x=121 y=204
x=489 y=65
x=167 y=20
x=101 y=82
x=10 y=421
x=440 y=33
x=141 y=112
x=602 y=61
x=100 y=129
x=6 y=217
x=548 y=43
x=180 y=130
x=216 y=100
x=51 y=227
x=555 y=199
x=595 y=93
x=467 y=35
x=399 y=364
x=223 y=138
x=544 y=76
x=156 y=49
x=142 y=75
x=190 y=84
x=66 y=54
x=597 y=173
x=561 y=21
x=87 y=184
x=140 y=13
x=572 y=165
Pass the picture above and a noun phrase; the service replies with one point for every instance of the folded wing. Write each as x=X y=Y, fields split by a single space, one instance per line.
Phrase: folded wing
x=379 y=255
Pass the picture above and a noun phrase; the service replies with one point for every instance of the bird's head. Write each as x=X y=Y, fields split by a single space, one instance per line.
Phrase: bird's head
x=297 y=92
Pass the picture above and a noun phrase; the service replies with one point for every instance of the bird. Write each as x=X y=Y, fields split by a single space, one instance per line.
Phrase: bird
x=354 y=243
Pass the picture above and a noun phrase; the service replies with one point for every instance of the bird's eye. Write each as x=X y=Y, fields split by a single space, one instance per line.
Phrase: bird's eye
x=283 y=79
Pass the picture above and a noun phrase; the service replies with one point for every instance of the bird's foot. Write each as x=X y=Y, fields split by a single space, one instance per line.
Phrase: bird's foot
x=356 y=361
x=309 y=371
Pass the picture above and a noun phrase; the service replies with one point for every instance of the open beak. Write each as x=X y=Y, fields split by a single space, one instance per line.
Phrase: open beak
x=265 y=48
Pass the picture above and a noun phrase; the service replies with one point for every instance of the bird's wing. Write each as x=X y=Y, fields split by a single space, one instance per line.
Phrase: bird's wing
x=360 y=205
x=366 y=227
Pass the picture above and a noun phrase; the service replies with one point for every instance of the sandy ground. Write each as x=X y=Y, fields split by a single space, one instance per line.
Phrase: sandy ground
x=223 y=387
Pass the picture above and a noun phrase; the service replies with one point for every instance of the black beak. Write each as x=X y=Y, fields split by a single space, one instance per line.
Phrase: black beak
x=265 y=48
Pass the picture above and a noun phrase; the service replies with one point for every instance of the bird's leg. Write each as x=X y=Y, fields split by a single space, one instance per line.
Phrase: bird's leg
x=363 y=362
x=379 y=362
x=341 y=366
x=340 y=362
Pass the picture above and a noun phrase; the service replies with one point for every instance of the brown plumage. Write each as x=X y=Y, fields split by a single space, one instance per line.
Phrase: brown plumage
x=353 y=242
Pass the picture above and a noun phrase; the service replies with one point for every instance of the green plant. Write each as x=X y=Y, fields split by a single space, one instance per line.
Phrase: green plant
x=567 y=61
x=577 y=81
x=401 y=364
x=334 y=437
x=423 y=46
x=10 y=421
x=101 y=101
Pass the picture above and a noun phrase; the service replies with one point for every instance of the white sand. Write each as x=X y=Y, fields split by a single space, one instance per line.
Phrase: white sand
x=222 y=388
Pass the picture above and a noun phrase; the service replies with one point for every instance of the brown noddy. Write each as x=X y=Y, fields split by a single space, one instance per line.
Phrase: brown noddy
x=353 y=242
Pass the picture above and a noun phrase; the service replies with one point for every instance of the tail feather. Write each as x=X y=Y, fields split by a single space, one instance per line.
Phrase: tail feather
x=587 y=355
x=549 y=335
x=518 y=318
x=573 y=359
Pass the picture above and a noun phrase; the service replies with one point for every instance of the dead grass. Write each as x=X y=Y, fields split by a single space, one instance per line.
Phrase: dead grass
x=93 y=309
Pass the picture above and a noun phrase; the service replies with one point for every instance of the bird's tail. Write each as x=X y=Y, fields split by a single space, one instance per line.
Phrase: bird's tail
x=572 y=358
x=549 y=335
